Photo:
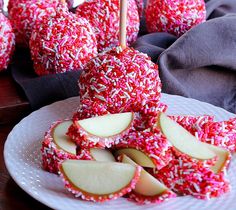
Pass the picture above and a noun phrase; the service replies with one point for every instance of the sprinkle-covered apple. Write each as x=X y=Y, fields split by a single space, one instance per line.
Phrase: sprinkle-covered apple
x=62 y=43
x=175 y=17
x=183 y=141
x=146 y=148
x=102 y=131
x=104 y=16
x=192 y=178
x=148 y=189
x=120 y=80
x=57 y=146
x=99 y=181
x=7 y=41
x=25 y=14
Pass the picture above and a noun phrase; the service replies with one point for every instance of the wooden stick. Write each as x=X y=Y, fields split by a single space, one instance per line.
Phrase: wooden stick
x=123 y=19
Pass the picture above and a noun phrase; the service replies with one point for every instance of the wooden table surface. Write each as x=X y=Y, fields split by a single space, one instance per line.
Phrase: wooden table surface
x=13 y=106
x=12 y=197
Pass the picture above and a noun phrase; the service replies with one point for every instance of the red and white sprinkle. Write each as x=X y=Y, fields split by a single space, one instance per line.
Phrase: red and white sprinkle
x=175 y=17
x=120 y=81
x=24 y=15
x=141 y=199
x=187 y=177
x=62 y=43
x=153 y=144
x=7 y=42
x=192 y=123
x=104 y=16
x=222 y=134
x=52 y=155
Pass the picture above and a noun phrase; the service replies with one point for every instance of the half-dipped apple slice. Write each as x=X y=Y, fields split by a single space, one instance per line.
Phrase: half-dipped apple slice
x=139 y=157
x=148 y=189
x=56 y=146
x=97 y=154
x=147 y=148
x=223 y=158
x=99 y=181
x=61 y=139
x=182 y=140
x=65 y=143
x=103 y=131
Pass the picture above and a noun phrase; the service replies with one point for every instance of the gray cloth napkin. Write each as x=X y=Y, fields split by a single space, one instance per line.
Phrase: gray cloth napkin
x=201 y=64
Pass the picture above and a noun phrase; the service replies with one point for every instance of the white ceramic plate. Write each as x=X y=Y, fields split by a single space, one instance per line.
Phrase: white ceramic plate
x=23 y=160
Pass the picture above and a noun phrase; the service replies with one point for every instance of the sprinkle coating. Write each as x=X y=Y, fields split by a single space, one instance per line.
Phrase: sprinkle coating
x=222 y=134
x=52 y=155
x=175 y=17
x=140 y=199
x=25 y=14
x=153 y=144
x=7 y=42
x=192 y=178
x=62 y=43
x=101 y=198
x=104 y=16
x=121 y=81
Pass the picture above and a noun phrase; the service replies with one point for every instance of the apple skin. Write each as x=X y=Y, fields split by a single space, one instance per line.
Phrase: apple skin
x=52 y=154
x=87 y=140
x=99 y=198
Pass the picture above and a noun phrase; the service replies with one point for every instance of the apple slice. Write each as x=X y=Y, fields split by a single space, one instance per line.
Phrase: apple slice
x=147 y=148
x=103 y=131
x=65 y=143
x=56 y=146
x=148 y=188
x=182 y=140
x=102 y=155
x=61 y=139
x=139 y=157
x=99 y=181
x=223 y=160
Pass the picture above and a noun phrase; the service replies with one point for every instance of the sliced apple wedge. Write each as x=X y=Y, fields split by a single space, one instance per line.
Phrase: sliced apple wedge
x=102 y=155
x=137 y=156
x=182 y=140
x=104 y=131
x=107 y=125
x=61 y=139
x=148 y=188
x=99 y=181
x=64 y=142
x=223 y=160
x=56 y=146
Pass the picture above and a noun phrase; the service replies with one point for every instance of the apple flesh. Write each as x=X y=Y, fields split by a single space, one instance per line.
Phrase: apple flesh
x=147 y=185
x=182 y=140
x=99 y=181
x=107 y=125
x=102 y=155
x=223 y=156
x=103 y=131
x=61 y=139
x=65 y=143
x=137 y=156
